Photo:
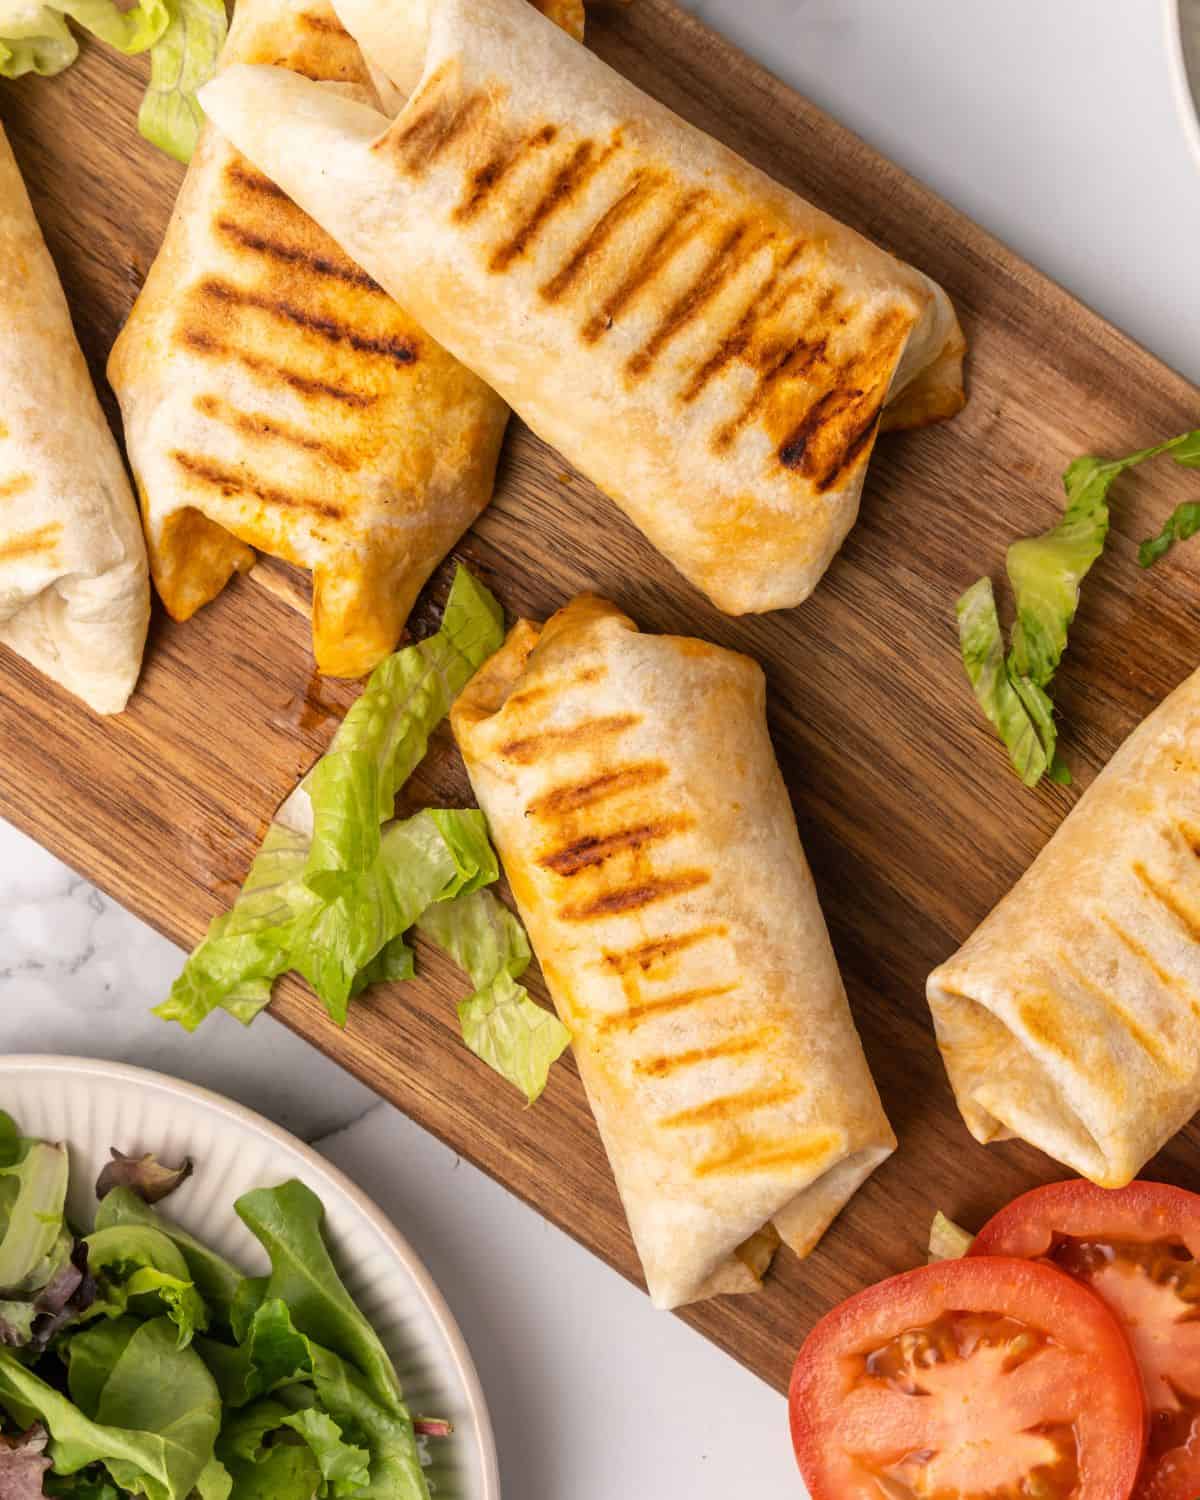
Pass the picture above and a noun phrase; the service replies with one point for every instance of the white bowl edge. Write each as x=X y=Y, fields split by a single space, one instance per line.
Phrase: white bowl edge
x=1186 y=89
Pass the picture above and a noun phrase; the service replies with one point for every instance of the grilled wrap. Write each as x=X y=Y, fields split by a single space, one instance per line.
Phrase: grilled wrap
x=1071 y=1016
x=274 y=397
x=715 y=353
x=646 y=832
x=74 y=595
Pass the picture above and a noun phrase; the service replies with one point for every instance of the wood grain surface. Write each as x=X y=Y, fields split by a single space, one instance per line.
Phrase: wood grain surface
x=912 y=820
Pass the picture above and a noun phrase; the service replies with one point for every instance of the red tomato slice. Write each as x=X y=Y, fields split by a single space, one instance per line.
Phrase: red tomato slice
x=1139 y=1249
x=980 y=1379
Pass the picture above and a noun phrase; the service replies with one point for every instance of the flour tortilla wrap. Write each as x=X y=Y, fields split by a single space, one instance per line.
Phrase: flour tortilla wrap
x=74 y=595
x=631 y=788
x=715 y=353
x=276 y=398
x=1071 y=1017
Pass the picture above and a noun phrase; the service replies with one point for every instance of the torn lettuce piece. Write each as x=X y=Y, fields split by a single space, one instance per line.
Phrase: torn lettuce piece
x=140 y=1270
x=151 y=1179
x=947 y=1240
x=345 y=1469
x=23 y=1463
x=34 y=38
x=385 y=735
x=983 y=657
x=501 y=1024
x=34 y=1242
x=182 y=60
x=1182 y=523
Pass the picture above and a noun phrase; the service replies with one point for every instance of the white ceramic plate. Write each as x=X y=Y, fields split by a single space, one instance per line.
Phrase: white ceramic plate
x=94 y=1105
x=1183 y=48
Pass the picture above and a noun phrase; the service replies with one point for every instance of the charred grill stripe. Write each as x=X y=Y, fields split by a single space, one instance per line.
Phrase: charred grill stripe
x=30 y=543
x=485 y=179
x=746 y=1156
x=533 y=747
x=789 y=363
x=243 y=174
x=1145 y=1040
x=630 y=898
x=15 y=484
x=640 y=188
x=683 y=226
x=1143 y=955
x=673 y=1062
x=645 y=955
x=566 y=799
x=644 y=1010
x=232 y=482
x=853 y=444
x=565 y=186
x=735 y=249
x=258 y=424
x=430 y=117
x=793 y=451
x=202 y=342
x=398 y=351
x=1190 y=836
x=543 y=690
x=327 y=25
x=731 y=1106
x=594 y=849
x=296 y=255
x=1188 y=920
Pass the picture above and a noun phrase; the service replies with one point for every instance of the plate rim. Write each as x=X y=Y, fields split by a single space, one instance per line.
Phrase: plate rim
x=1181 y=83
x=245 y=1118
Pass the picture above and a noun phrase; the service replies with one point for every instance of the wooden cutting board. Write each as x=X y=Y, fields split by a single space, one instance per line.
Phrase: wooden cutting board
x=912 y=820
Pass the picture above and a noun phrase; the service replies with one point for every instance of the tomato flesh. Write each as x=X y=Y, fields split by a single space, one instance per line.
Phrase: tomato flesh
x=969 y=1380
x=1136 y=1249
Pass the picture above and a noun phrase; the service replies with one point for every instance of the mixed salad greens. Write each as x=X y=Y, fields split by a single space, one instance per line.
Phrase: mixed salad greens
x=183 y=37
x=1015 y=690
x=135 y=1361
x=339 y=881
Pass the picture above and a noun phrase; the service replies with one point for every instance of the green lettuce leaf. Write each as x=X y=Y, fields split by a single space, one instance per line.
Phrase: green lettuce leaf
x=213 y=1277
x=156 y=1420
x=345 y=1468
x=141 y=1270
x=385 y=735
x=271 y=1353
x=91 y=1355
x=501 y=1024
x=33 y=1192
x=262 y=1471
x=1184 y=520
x=181 y=62
x=34 y=38
x=948 y=1240
x=11 y=1148
x=287 y=1221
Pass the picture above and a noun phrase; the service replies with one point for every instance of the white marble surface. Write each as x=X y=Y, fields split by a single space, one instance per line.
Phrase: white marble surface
x=1054 y=126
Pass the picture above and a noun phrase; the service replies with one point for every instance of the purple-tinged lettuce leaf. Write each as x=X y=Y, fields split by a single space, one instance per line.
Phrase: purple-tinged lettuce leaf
x=23 y=1463
x=151 y=1179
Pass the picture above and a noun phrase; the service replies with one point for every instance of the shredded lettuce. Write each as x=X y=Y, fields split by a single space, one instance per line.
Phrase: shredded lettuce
x=501 y=1024
x=184 y=39
x=948 y=1240
x=1046 y=573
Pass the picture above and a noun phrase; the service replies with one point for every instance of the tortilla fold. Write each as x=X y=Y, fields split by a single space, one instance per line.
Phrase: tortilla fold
x=633 y=794
x=1071 y=1016
x=74 y=593
x=715 y=353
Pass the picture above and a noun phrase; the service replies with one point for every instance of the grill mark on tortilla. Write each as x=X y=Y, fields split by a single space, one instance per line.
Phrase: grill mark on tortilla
x=398 y=351
x=529 y=748
x=819 y=420
x=233 y=482
x=629 y=898
x=327 y=25
x=1190 y=836
x=736 y=247
x=1188 y=920
x=437 y=127
x=682 y=227
x=485 y=179
x=200 y=341
x=295 y=255
x=734 y=1046
x=795 y=359
x=15 y=484
x=258 y=424
x=591 y=850
x=640 y=187
x=731 y=1106
x=853 y=445
x=243 y=174
x=30 y=543
x=645 y=955
x=566 y=799
x=1142 y=954
x=565 y=187
x=1041 y=1016
x=542 y=690
x=643 y=1010
x=1147 y=1041
x=747 y=1156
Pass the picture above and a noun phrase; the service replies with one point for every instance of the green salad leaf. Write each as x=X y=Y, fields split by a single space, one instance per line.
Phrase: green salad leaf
x=501 y=1024
x=345 y=1468
x=141 y=1269
x=34 y=38
x=1046 y=573
x=181 y=62
x=262 y=1470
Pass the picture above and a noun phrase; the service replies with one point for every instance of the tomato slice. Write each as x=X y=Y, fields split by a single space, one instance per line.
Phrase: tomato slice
x=979 y=1379
x=1139 y=1249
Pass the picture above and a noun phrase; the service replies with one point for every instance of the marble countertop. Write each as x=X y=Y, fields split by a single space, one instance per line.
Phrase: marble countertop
x=1055 y=127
